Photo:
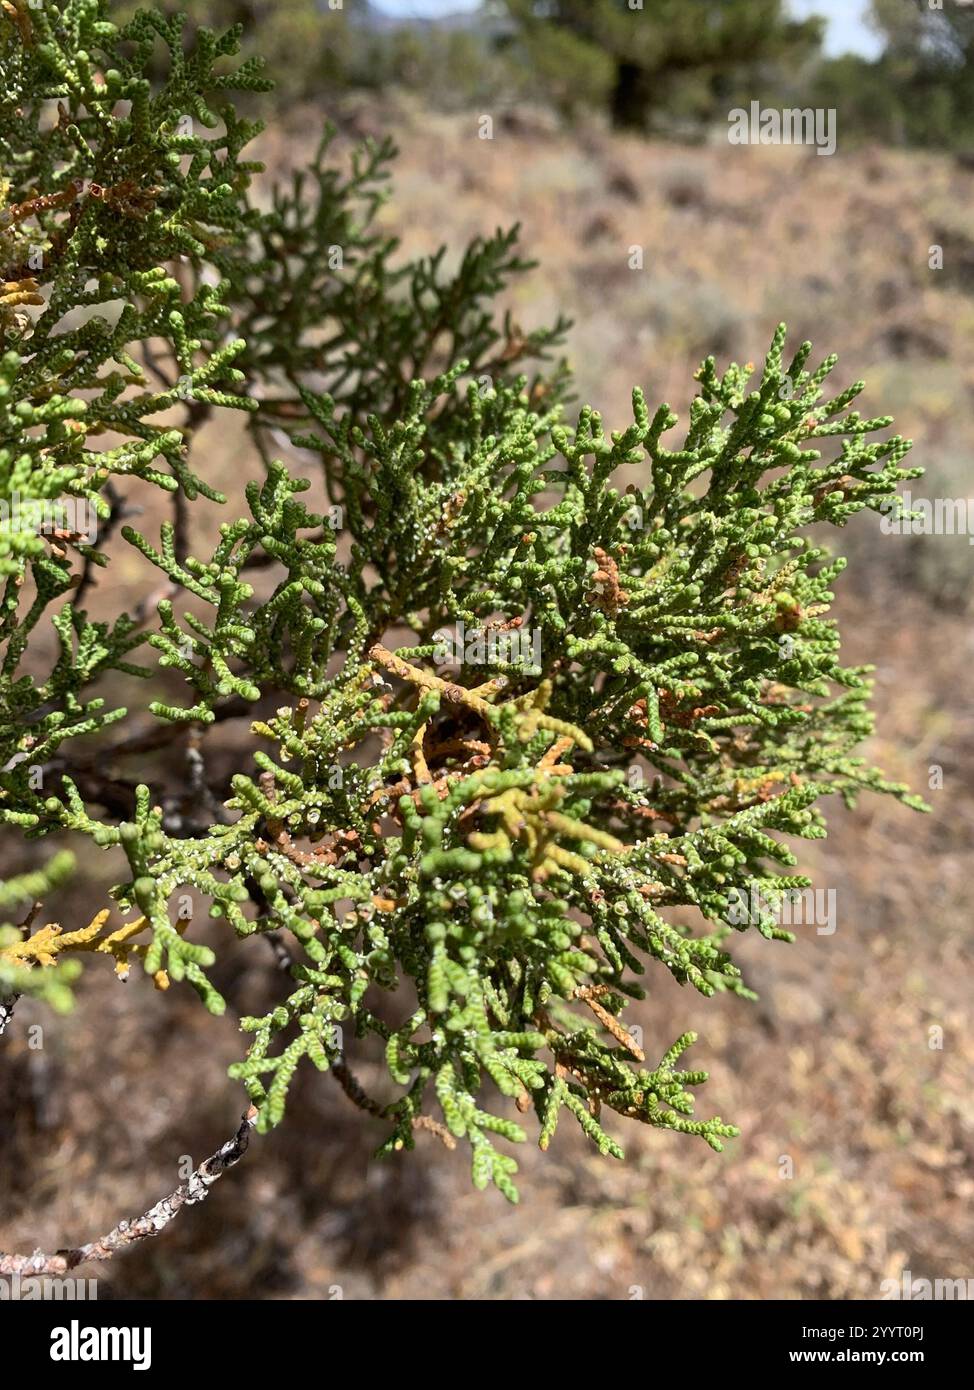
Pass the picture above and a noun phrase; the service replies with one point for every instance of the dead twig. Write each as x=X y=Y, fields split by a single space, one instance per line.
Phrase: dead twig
x=8 y=1005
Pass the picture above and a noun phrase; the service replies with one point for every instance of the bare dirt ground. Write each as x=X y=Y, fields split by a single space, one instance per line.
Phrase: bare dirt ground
x=856 y=1158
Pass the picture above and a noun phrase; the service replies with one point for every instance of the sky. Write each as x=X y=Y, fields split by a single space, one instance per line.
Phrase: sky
x=847 y=32
x=847 y=29
x=424 y=9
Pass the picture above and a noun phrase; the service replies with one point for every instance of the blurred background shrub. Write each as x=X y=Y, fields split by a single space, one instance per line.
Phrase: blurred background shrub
x=672 y=66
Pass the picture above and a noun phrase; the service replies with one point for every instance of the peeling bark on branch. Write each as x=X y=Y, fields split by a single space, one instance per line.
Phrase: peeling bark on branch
x=156 y=1219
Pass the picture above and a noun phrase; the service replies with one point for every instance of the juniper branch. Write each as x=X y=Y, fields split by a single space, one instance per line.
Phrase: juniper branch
x=551 y=683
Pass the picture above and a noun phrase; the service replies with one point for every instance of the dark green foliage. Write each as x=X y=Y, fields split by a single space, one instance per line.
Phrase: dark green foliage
x=676 y=65
x=95 y=204
x=662 y=59
x=919 y=90
x=646 y=695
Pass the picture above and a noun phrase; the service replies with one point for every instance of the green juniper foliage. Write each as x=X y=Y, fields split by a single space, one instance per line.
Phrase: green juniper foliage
x=535 y=685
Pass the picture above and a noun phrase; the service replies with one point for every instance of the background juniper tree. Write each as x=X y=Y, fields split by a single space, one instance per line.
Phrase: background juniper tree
x=665 y=59
x=495 y=832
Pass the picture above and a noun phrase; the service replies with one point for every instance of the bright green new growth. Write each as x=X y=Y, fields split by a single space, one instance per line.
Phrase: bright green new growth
x=645 y=694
